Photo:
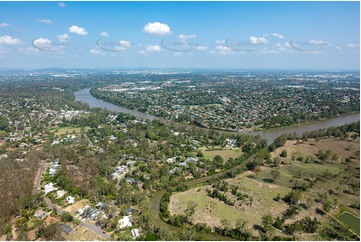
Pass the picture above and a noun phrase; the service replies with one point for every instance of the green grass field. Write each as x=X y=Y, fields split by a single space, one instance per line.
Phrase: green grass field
x=66 y=130
x=226 y=154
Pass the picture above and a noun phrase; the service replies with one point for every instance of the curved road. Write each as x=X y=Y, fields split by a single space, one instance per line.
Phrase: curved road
x=59 y=210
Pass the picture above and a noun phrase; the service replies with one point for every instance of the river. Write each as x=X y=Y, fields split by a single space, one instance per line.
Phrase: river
x=270 y=134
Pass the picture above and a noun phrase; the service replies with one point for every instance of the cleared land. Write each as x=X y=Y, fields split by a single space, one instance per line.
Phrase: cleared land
x=80 y=233
x=226 y=154
x=212 y=211
x=66 y=130
x=333 y=180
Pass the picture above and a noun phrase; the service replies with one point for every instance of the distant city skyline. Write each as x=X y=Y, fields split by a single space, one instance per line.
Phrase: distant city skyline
x=206 y=35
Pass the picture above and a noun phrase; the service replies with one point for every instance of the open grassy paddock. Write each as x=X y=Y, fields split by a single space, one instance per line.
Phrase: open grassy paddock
x=226 y=154
x=334 y=180
x=66 y=130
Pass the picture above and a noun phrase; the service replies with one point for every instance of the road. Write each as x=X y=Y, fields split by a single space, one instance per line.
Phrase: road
x=59 y=210
x=37 y=184
x=87 y=225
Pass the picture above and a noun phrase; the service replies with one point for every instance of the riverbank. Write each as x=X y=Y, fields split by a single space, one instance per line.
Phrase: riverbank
x=270 y=135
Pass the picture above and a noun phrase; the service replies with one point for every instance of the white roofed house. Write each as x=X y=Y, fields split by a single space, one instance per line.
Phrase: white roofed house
x=70 y=199
x=49 y=188
x=60 y=193
x=124 y=222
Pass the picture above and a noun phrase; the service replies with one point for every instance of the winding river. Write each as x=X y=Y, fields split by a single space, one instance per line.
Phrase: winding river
x=270 y=134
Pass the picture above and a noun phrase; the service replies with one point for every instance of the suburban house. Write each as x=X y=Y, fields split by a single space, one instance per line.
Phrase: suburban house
x=124 y=222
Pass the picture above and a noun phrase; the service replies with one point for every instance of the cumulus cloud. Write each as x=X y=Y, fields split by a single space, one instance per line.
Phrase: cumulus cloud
x=3 y=25
x=186 y=37
x=77 y=30
x=157 y=28
x=61 y=4
x=258 y=40
x=104 y=34
x=96 y=52
x=278 y=35
x=353 y=45
x=8 y=40
x=123 y=45
x=44 y=44
x=220 y=42
x=222 y=50
x=45 y=21
x=63 y=37
x=153 y=48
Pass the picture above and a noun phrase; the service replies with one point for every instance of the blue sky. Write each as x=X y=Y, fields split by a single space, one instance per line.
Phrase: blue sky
x=241 y=35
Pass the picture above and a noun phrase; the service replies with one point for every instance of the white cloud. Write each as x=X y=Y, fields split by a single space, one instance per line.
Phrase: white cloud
x=77 y=30
x=338 y=48
x=222 y=50
x=61 y=4
x=45 y=21
x=287 y=44
x=96 y=52
x=186 y=37
x=353 y=45
x=153 y=48
x=63 y=37
x=8 y=40
x=317 y=42
x=123 y=45
x=157 y=28
x=201 y=47
x=220 y=42
x=3 y=25
x=258 y=40
x=278 y=35
x=104 y=34
x=42 y=42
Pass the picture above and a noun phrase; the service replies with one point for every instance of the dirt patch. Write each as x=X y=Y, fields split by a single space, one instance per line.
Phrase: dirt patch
x=343 y=148
x=80 y=233
x=76 y=206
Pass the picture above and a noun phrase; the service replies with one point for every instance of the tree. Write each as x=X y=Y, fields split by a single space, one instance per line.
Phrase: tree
x=268 y=229
x=191 y=209
x=283 y=154
x=275 y=174
x=66 y=217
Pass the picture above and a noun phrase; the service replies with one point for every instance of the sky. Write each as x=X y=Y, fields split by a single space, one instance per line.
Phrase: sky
x=234 y=35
